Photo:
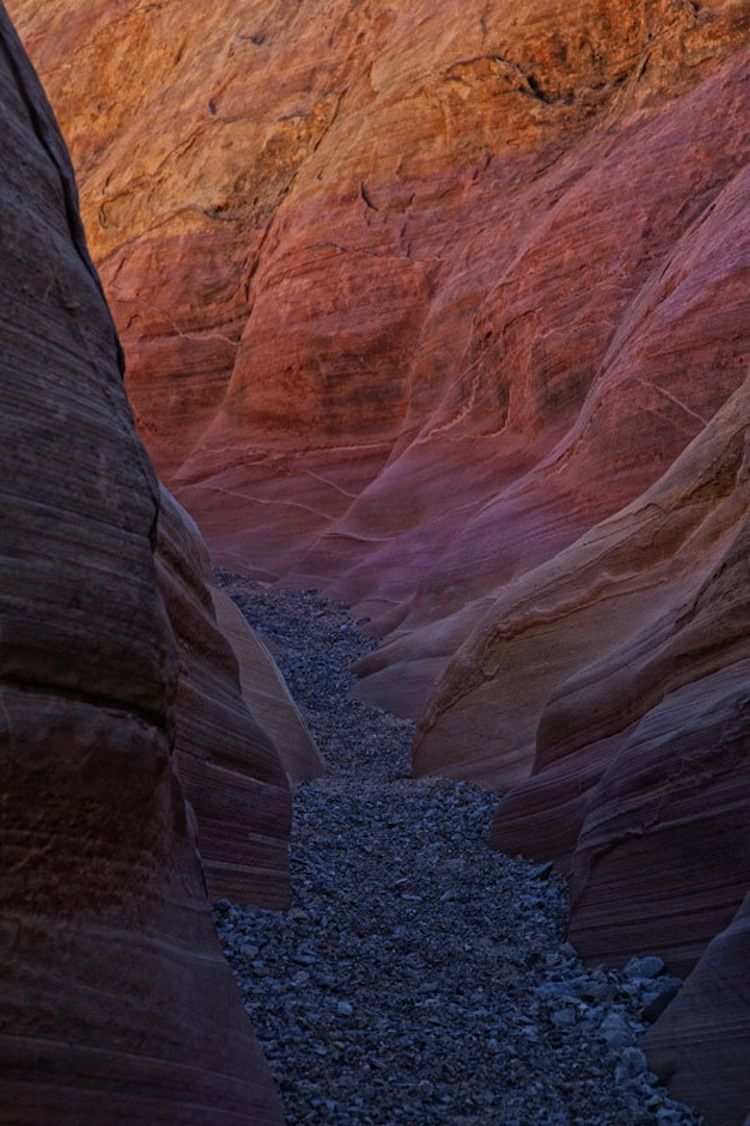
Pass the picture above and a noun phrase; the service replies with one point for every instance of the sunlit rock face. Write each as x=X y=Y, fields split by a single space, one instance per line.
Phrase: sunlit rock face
x=116 y=1004
x=412 y=295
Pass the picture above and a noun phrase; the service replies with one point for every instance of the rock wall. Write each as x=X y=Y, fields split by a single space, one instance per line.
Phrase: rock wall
x=412 y=295
x=116 y=1004
x=619 y=672
x=443 y=309
x=702 y=1043
x=268 y=696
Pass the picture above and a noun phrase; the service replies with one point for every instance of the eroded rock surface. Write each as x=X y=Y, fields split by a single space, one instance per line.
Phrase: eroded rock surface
x=228 y=766
x=412 y=295
x=115 y=1002
x=706 y=1031
x=632 y=648
x=442 y=309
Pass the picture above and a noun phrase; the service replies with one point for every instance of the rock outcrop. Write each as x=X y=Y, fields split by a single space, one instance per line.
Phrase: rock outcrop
x=116 y=1004
x=228 y=766
x=640 y=772
x=702 y=1043
x=267 y=694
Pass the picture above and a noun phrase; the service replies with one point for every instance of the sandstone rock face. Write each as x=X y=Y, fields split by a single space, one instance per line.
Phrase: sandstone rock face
x=267 y=695
x=116 y=1004
x=702 y=1043
x=412 y=295
x=640 y=782
x=228 y=766
x=443 y=309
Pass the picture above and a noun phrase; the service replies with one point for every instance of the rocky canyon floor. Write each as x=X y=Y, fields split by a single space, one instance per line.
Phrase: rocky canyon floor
x=420 y=977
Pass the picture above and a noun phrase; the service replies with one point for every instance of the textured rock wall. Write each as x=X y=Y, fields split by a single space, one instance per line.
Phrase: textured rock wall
x=267 y=694
x=116 y=1004
x=412 y=295
x=444 y=309
x=631 y=650
x=228 y=766
x=702 y=1043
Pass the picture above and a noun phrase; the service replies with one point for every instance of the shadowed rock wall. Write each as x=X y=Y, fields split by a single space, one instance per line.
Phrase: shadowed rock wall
x=116 y=1004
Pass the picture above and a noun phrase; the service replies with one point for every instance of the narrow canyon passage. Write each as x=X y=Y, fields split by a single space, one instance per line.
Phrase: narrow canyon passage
x=421 y=977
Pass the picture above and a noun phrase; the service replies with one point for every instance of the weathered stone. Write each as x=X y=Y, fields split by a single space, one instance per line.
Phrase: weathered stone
x=115 y=1002
x=702 y=1042
x=407 y=315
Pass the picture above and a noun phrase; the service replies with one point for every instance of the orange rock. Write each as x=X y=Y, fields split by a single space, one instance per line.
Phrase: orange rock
x=116 y=1004
x=411 y=297
x=442 y=309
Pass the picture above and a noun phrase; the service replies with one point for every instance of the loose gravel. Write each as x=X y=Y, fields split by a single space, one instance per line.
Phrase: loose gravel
x=421 y=977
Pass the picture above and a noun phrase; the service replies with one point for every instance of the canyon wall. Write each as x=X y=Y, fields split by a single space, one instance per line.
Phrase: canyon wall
x=116 y=1003
x=443 y=309
x=412 y=295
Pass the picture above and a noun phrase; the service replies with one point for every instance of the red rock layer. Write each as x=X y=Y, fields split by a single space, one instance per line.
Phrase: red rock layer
x=116 y=1005
x=701 y=1044
x=632 y=647
x=431 y=306
x=412 y=296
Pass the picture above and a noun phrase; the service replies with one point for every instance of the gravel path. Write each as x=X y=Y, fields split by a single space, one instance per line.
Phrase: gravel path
x=421 y=978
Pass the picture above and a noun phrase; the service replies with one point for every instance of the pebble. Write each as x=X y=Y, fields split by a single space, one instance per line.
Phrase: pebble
x=645 y=967
x=420 y=978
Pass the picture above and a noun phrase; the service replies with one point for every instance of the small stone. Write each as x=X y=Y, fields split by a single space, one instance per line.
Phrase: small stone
x=564 y=1017
x=648 y=966
x=631 y=1064
x=542 y=871
x=616 y=1030
x=344 y=1009
x=655 y=1003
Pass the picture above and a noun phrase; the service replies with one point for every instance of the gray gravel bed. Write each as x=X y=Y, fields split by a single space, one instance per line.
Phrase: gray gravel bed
x=421 y=977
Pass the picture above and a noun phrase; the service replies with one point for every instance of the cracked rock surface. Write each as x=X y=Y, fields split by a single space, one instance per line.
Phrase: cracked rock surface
x=421 y=977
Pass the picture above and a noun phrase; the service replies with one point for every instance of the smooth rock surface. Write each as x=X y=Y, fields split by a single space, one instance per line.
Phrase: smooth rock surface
x=228 y=765
x=702 y=1043
x=442 y=309
x=632 y=648
x=267 y=694
x=115 y=1003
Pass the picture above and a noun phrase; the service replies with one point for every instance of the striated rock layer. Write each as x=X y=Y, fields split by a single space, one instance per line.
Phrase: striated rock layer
x=444 y=309
x=706 y=1031
x=412 y=295
x=116 y=1004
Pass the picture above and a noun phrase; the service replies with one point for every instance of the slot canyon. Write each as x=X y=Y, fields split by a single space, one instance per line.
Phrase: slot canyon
x=375 y=601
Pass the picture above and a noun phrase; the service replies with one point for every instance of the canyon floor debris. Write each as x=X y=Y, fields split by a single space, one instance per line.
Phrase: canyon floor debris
x=420 y=977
